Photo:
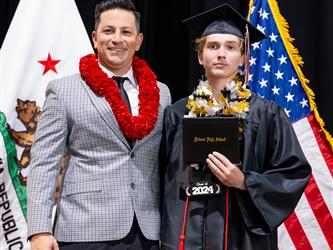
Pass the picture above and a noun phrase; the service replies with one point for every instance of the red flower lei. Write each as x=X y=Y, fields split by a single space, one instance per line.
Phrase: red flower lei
x=133 y=127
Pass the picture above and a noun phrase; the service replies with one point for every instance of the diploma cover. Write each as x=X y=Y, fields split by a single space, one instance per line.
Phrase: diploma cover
x=203 y=135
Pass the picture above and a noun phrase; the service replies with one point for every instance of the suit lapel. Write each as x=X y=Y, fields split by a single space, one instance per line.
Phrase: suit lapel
x=105 y=111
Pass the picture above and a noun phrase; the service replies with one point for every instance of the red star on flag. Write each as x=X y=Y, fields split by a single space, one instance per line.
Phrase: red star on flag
x=49 y=64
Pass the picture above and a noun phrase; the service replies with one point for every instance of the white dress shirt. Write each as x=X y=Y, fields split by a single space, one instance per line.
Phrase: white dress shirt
x=131 y=88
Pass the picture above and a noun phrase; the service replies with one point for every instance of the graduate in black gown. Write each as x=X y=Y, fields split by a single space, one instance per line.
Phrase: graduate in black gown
x=257 y=195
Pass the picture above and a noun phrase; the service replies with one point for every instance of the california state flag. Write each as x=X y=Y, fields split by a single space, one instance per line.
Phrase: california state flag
x=45 y=40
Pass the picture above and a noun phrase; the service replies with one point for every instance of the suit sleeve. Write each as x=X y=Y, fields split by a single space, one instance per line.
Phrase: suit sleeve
x=46 y=154
x=277 y=183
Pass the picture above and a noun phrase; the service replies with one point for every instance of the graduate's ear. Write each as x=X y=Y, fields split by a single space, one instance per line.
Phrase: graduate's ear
x=200 y=58
x=241 y=65
x=242 y=60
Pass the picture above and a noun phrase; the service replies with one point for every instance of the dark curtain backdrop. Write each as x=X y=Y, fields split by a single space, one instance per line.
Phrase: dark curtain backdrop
x=168 y=46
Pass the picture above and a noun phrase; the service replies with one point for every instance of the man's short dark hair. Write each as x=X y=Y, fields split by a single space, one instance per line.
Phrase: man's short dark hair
x=116 y=4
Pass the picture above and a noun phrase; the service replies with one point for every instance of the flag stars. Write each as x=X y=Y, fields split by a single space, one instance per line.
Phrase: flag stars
x=263 y=83
x=279 y=75
x=273 y=37
x=250 y=77
x=290 y=97
x=260 y=11
x=253 y=61
x=266 y=67
x=261 y=28
x=255 y=45
x=49 y=64
x=282 y=59
x=270 y=52
x=276 y=90
x=287 y=111
x=274 y=77
x=264 y=15
x=304 y=103
x=293 y=81
x=252 y=9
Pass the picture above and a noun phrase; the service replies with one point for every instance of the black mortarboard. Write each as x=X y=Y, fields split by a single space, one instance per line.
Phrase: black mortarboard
x=225 y=20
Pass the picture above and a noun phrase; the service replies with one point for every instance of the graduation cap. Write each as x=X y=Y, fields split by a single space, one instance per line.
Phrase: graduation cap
x=223 y=20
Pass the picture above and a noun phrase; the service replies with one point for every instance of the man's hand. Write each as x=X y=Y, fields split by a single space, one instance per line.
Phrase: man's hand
x=44 y=241
x=229 y=174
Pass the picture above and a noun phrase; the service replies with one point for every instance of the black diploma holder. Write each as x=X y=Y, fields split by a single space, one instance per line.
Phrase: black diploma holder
x=203 y=136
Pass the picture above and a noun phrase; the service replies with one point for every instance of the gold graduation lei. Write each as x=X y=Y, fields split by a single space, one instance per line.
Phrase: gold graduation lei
x=233 y=101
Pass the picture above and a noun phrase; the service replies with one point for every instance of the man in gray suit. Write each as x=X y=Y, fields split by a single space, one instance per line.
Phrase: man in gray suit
x=111 y=128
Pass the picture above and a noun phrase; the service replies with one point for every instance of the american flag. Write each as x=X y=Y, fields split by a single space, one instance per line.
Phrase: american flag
x=275 y=74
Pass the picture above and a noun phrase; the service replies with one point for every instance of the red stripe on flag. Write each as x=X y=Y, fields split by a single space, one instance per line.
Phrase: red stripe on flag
x=322 y=142
x=296 y=233
x=320 y=210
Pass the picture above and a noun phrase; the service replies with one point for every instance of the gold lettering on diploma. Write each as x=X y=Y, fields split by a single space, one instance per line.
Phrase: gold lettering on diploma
x=199 y=139
x=220 y=139
x=209 y=139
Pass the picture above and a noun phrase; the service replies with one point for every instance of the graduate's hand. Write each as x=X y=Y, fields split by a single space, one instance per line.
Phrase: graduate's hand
x=229 y=174
x=44 y=241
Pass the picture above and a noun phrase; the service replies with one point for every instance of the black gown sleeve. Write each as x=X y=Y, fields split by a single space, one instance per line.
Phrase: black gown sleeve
x=276 y=171
x=171 y=143
x=166 y=144
x=171 y=164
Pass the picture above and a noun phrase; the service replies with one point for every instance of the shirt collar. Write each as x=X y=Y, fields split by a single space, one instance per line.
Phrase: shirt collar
x=129 y=74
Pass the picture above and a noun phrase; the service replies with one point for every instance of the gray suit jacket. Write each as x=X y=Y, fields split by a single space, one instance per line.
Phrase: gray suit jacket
x=106 y=181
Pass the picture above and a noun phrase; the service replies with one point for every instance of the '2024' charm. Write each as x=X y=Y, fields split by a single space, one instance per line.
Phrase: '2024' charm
x=203 y=188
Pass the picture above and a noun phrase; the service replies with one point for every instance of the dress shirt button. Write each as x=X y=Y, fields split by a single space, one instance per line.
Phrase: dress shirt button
x=133 y=185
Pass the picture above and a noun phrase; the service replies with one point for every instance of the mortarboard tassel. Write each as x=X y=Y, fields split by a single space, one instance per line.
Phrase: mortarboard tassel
x=182 y=236
x=226 y=225
x=247 y=54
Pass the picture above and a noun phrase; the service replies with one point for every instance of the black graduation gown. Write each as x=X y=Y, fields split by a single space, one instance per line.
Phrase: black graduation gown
x=276 y=174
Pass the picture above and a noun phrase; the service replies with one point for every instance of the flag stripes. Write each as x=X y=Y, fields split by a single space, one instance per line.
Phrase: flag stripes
x=316 y=213
x=285 y=240
x=296 y=233
x=325 y=147
x=320 y=209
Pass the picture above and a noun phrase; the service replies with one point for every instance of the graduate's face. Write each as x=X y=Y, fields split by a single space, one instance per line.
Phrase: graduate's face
x=117 y=39
x=221 y=56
